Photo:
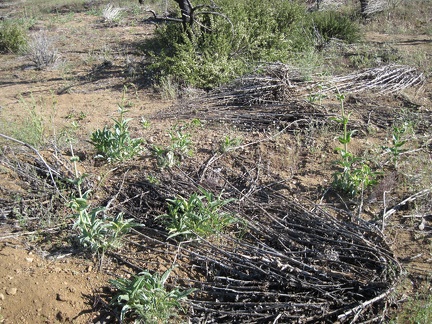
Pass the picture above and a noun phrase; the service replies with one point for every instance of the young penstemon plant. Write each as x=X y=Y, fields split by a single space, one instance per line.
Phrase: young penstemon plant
x=146 y=297
x=397 y=142
x=98 y=234
x=356 y=175
x=115 y=144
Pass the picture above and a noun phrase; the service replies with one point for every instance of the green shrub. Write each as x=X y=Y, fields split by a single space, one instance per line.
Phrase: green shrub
x=331 y=24
x=12 y=37
x=200 y=215
x=146 y=299
x=116 y=145
x=243 y=34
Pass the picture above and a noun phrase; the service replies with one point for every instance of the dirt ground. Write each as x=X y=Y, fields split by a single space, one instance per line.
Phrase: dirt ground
x=39 y=285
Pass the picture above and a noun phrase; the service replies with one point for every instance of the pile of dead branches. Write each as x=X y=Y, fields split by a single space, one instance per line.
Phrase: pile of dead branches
x=387 y=79
x=280 y=83
x=289 y=262
x=276 y=94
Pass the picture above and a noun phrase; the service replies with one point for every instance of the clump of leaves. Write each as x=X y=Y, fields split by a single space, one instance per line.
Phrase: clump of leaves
x=96 y=232
x=200 y=215
x=12 y=36
x=145 y=298
x=355 y=174
x=115 y=144
x=179 y=148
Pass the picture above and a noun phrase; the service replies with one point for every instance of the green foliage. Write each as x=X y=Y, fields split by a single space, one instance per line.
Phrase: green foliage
x=244 y=33
x=229 y=143
x=178 y=150
x=147 y=300
x=355 y=175
x=200 y=215
x=12 y=36
x=116 y=145
x=417 y=310
x=96 y=233
x=331 y=24
x=398 y=141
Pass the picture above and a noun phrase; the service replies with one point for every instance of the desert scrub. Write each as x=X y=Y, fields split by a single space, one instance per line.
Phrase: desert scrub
x=200 y=215
x=145 y=298
x=241 y=35
x=12 y=36
x=243 y=32
x=115 y=144
x=41 y=51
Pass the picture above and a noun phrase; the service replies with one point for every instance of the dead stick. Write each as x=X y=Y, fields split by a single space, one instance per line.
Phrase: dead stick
x=50 y=170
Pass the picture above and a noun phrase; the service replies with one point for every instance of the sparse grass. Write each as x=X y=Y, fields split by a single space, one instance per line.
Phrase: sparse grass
x=111 y=14
x=403 y=17
x=418 y=310
x=34 y=128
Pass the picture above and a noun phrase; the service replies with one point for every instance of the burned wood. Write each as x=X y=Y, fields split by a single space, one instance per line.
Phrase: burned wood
x=291 y=262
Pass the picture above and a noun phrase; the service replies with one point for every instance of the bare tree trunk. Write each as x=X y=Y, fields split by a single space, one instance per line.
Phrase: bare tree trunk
x=186 y=13
x=363 y=7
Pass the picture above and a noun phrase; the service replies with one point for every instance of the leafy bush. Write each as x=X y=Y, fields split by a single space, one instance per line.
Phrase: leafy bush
x=146 y=298
x=331 y=24
x=199 y=215
x=116 y=145
x=12 y=37
x=98 y=234
x=244 y=33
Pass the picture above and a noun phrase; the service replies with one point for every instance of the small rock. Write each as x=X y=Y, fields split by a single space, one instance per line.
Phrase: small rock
x=11 y=291
x=29 y=260
x=89 y=268
x=2 y=297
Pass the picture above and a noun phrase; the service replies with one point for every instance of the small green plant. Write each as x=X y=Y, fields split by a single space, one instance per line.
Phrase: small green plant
x=199 y=215
x=356 y=175
x=145 y=123
x=319 y=96
x=12 y=36
x=146 y=300
x=116 y=145
x=398 y=141
x=177 y=151
x=97 y=232
x=228 y=143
